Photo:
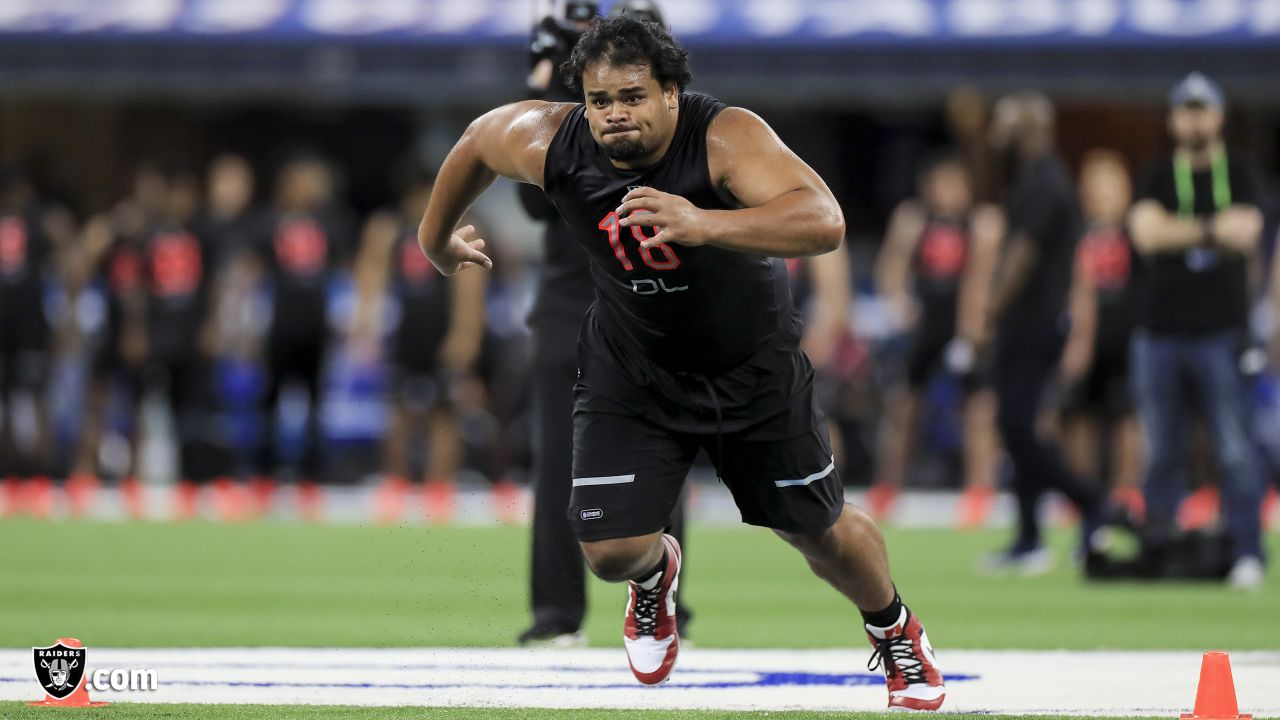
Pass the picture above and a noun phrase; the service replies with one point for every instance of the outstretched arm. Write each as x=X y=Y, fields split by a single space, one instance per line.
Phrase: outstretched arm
x=510 y=141
x=787 y=210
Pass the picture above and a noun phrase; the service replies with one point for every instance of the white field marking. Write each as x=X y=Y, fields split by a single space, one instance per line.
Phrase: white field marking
x=1092 y=683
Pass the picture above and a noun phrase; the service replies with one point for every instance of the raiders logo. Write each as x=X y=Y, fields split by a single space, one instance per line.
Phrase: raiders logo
x=60 y=669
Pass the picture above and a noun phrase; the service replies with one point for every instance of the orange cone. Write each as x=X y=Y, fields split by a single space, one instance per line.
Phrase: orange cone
x=78 y=697
x=1216 y=694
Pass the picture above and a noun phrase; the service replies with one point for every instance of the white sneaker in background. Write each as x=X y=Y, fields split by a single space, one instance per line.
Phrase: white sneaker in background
x=1246 y=574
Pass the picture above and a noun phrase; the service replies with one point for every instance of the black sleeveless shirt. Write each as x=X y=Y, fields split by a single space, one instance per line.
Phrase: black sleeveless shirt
x=695 y=309
x=941 y=255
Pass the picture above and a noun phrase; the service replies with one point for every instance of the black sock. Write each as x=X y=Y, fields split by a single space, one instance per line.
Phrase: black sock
x=887 y=617
x=646 y=577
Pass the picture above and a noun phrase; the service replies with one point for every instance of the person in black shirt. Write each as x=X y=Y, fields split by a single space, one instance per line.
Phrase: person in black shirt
x=28 y=260
x=111 y=252
x=1197 y=226
x=177 y=271
x=1029 y=300
x=438 y=327
x=684 y=206
x=304 y=241
x=1095 y=359
x=227 y=216
x=946 y=243
x=558 y=590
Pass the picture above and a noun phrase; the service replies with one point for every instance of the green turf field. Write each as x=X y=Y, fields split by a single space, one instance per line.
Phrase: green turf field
x=18 y=711
x=289 y=584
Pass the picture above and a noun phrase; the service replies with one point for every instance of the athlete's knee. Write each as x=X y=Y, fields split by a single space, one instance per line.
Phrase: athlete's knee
x=623 y=558
x=852 y=526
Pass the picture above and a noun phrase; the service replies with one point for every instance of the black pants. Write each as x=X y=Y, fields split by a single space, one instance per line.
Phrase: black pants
x=558 y=575
x=299 y=359
x=1024 y=366
x=187 y=385
x=23 y=369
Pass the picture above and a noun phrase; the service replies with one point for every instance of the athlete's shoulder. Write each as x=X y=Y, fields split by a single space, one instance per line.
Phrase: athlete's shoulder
x=738 y=129
x=528 y=119
x=513 y=140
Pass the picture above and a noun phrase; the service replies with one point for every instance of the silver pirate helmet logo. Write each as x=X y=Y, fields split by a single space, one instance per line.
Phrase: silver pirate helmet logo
x=60 y=669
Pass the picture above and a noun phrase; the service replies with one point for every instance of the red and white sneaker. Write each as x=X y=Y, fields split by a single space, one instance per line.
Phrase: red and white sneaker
x=650 y=630
x=910 y=669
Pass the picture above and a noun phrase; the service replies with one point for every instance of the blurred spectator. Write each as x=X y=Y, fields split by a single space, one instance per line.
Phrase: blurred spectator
x=822 y=288
x=436 y=335
x=226 y=219
x=238 y=319
x=306 y=239
x=29 y=243
x=177 y=275
x=1095 y=360
x=1029 y=298
x=1197 y=225
x=111 y=248
x=935 y=270
x=967 y=121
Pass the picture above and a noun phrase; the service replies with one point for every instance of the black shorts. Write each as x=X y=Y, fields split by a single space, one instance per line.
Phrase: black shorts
x=24 y=351
x=929 y=356
x=1104 y=390
x=637 y=428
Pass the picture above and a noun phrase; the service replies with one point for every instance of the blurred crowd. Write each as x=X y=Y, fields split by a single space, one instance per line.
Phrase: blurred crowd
x=226 y=331
x=289 y=340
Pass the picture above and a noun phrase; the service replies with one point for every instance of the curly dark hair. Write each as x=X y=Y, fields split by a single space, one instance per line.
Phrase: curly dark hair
x=628 y=40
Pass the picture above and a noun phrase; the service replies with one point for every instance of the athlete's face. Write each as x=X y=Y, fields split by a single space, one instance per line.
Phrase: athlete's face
x=1195 y=127
x=632 y=117
x=1105 y=191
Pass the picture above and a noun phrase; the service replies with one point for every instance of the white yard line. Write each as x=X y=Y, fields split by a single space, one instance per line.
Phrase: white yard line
x=1093 y=683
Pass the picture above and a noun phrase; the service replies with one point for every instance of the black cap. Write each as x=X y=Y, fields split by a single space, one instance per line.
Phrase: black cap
x=580 y=11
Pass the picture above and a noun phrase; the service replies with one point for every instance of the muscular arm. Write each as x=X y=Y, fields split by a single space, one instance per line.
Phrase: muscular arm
x=893 y=264
x=975 y=286
x=1156 y=230
x=787 y=210
x=510 y=141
